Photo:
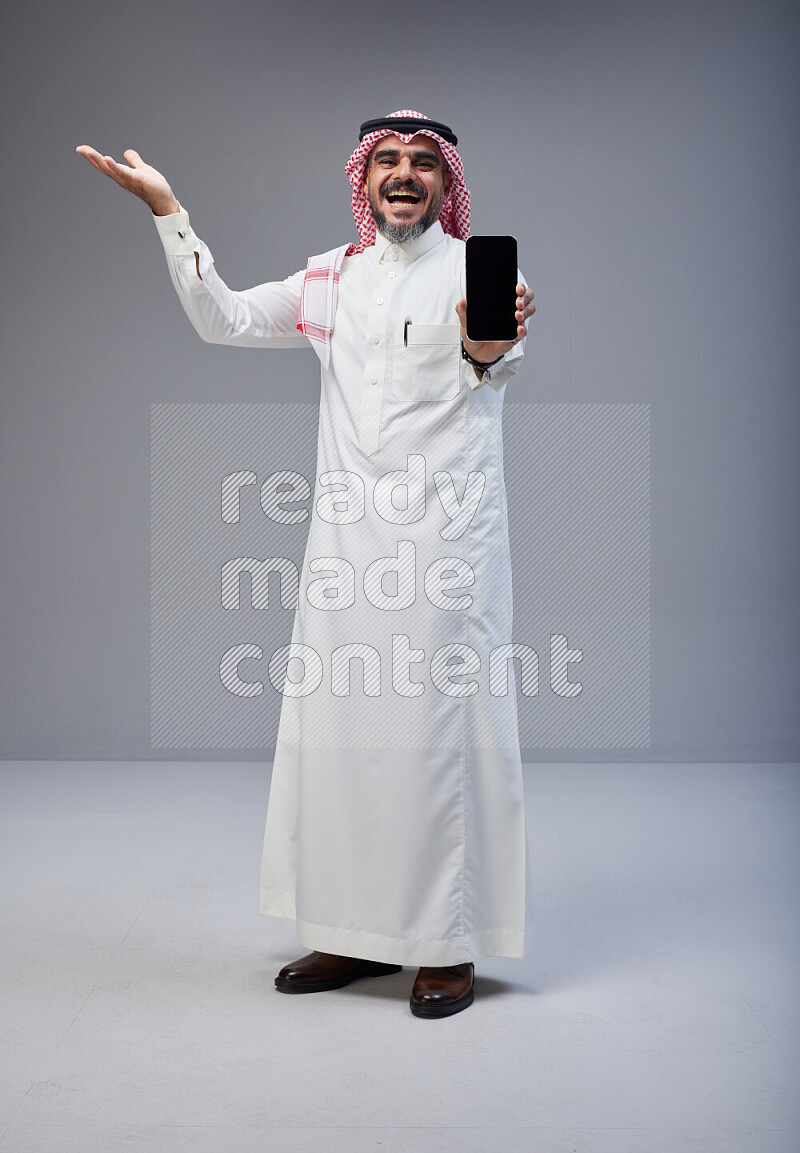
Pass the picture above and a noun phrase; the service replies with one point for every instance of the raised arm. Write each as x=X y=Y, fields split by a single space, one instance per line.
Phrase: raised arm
x=255 y=317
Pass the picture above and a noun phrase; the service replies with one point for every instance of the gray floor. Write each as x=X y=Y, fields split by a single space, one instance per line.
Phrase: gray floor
x=655 y=1011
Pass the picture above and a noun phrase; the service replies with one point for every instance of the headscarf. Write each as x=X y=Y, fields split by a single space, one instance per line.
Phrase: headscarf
x=454 y=216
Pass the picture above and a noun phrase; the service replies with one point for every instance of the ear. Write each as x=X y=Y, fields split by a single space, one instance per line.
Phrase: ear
x=448 y=181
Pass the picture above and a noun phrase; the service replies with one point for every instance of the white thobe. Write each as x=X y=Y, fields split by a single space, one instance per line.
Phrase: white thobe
x=395 y=827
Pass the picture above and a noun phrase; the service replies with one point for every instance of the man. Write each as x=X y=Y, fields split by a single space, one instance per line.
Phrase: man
x=395 y=828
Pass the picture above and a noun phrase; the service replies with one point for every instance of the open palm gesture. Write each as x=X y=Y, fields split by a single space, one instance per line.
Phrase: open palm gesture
x=137 y=177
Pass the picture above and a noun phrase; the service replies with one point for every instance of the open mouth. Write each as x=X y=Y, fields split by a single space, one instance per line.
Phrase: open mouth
x=403 y=199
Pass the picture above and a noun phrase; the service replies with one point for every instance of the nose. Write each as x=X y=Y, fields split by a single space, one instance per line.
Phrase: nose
x=403 y=169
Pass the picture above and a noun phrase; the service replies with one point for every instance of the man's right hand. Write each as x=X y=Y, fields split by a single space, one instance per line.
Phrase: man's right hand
x=140 y=179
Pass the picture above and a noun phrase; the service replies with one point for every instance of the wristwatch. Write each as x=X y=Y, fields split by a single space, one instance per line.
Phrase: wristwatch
x=477 y=363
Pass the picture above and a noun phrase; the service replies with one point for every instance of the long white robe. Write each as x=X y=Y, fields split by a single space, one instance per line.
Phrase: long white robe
x=395 y=828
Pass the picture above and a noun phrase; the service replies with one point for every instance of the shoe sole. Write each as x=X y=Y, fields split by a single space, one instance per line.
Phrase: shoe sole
x=372 y=969
x=446 y=1009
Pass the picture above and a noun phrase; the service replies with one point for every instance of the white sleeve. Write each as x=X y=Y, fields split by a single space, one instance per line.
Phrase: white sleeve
x=252 y=318
x=506 y=367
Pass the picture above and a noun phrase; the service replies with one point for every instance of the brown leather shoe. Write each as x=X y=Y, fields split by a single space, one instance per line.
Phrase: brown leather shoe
x=317 y=972
x=438 y=992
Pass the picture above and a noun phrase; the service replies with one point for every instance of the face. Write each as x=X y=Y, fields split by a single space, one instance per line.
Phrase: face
x=406 y=186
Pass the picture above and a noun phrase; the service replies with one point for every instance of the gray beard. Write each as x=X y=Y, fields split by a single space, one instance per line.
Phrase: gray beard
x=399 y=233
x=402 y=233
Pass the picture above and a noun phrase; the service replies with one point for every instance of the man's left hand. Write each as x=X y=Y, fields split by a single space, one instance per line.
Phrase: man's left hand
x=488 y=350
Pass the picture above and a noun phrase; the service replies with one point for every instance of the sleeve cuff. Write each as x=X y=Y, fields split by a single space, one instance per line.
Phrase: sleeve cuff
x=489 y=374
x=176 y=233
x=496 y=369
x=473 y=380
x=500 y=373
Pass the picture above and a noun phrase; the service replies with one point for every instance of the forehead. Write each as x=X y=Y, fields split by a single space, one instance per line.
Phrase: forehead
x=416 y=145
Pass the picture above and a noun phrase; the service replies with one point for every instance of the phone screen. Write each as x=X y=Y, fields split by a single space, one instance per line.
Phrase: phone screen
x=491 y=287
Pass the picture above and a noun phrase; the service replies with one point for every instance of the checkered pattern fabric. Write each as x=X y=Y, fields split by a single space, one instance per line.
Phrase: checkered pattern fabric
x=454 y=217
x=318 y=298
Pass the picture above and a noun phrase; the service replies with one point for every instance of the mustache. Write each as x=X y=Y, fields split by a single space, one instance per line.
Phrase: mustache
x=404 y=186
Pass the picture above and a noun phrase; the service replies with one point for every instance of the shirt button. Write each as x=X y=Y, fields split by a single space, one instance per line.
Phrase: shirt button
x=374 y=380
x=376 y=340
x=392 y=274
x=379 y=300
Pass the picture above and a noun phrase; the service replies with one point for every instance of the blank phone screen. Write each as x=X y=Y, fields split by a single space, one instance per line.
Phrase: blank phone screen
x=491 y=287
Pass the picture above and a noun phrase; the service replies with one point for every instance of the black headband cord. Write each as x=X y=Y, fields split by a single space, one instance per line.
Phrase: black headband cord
x=407 y=124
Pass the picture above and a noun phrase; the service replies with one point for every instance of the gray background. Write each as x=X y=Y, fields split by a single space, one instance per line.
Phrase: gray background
x=643 y=154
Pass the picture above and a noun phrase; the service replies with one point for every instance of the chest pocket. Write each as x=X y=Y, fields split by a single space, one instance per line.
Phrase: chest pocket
x=427 y=362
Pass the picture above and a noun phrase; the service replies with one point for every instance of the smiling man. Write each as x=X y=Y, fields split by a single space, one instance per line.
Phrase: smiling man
x=408 y=182
x=395 y=831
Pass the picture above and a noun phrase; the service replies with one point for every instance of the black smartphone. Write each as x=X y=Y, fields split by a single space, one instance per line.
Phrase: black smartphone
x=491 y=287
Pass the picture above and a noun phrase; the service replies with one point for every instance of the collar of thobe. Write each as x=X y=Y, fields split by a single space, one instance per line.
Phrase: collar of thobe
x=320 y=290
x=412 y=249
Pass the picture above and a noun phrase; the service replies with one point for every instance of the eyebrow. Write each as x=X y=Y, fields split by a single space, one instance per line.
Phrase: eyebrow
x=421 y=155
